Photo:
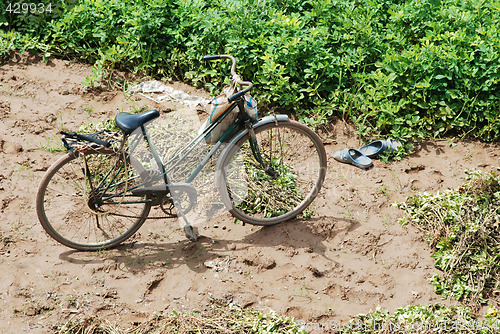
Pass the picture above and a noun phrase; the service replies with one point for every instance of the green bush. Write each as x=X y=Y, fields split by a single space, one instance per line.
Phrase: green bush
x=416 y=319
x=464 y=232
x=408 y=69
x=441 y=70
x=121 y=33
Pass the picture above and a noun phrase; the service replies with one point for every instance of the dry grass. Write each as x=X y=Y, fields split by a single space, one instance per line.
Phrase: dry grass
x=216 y=318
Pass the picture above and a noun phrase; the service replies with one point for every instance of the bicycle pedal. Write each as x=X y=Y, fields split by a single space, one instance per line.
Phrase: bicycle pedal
x=191 y=233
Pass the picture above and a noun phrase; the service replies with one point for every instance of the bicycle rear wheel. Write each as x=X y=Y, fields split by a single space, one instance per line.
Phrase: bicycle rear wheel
x=83 y=201
x=298 y=160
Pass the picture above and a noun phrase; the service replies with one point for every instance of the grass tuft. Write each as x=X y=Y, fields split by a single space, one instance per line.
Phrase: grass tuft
x=216 y=318
x=463 y=227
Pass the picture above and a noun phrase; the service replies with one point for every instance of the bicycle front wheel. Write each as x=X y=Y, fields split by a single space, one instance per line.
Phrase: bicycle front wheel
x=296 y=166
x=83 y=201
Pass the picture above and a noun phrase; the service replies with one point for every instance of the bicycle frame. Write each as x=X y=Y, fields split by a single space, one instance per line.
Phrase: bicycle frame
x=262 y=171
x=242 y=121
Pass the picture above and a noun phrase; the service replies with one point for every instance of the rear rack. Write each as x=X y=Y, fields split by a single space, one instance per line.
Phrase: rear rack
x=76 y=141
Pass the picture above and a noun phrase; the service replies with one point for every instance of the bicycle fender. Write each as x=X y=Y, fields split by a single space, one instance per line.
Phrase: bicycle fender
x=239 y=135
x=260 y=122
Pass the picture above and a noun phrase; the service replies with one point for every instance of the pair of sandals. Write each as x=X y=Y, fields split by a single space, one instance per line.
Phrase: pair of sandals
x=361 y=158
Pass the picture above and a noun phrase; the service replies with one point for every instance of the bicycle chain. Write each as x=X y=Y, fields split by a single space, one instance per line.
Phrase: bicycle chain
x=148 y=217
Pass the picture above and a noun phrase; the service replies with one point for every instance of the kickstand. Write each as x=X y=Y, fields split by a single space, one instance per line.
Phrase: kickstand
x=189 y=230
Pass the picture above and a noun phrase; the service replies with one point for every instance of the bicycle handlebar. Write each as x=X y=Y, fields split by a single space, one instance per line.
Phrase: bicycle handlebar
x=215 y=57
x=233 y=73
x=236 y=96
x=208 y=58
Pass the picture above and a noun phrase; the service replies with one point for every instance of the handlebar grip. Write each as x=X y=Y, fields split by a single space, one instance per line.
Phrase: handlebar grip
x=214 y=57
x=236 y=96
x=93 y=140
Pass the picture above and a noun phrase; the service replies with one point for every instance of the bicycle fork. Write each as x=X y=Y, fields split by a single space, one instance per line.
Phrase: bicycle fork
x=256 y=152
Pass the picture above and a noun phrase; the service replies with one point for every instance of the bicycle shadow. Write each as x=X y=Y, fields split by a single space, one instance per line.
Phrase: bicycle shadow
x=134 y=257
x=309 y=236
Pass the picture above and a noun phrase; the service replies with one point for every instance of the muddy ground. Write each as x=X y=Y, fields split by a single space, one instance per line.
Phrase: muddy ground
x=351 y=257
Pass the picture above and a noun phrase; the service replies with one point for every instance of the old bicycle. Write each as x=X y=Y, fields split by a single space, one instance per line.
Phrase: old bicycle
x=99 y=193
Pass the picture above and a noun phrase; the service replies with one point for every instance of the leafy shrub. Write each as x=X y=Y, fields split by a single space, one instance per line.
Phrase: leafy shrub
x=31 y=17
x=422 y=319
x=121 y=33
x=409 y=69
x=441 y=69
x=464 y=231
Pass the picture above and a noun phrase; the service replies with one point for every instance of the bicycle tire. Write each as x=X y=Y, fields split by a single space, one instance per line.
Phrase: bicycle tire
x=251 y=194
x=66 y=210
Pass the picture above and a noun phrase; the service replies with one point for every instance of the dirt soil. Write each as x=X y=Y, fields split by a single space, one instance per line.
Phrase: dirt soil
x=351 y=257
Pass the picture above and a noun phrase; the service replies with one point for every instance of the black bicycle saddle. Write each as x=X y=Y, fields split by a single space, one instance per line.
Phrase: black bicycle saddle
x=129 y=122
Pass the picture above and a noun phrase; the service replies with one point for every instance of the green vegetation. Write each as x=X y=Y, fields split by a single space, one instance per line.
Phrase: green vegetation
x=423 y=319
x=268 y=196
x=408 y=69
x=464 y=230
x=217 y=319
x=232 y=319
